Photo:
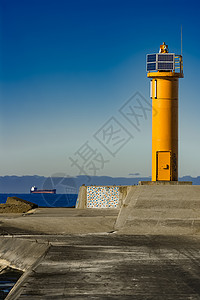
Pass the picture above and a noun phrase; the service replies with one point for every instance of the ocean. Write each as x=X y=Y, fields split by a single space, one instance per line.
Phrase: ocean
x=45 y=200
x=8 y=278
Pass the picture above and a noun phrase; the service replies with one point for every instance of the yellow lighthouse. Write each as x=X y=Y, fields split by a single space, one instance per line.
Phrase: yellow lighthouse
x=164 y=69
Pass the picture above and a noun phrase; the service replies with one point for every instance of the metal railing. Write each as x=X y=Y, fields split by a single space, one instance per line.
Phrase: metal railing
x=178 y=64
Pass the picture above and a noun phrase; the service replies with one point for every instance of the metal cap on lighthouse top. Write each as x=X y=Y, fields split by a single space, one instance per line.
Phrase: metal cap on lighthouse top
x=164 y=63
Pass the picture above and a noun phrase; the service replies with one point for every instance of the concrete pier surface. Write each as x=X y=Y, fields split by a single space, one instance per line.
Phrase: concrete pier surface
x=147 y=249
x=110 y=266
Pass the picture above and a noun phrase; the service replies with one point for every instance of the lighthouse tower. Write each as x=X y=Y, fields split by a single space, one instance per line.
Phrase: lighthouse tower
x=164 y=69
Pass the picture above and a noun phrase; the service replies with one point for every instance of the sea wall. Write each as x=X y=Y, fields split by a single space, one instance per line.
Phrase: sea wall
x=102 y=196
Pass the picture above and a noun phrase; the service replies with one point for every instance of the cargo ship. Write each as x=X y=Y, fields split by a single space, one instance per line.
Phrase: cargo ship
x=34 y=190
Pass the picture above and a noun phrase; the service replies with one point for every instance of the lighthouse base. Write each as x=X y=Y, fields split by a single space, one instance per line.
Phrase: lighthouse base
x=165 y=182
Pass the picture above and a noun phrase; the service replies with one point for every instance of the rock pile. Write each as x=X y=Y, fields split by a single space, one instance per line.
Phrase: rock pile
x=16 y=205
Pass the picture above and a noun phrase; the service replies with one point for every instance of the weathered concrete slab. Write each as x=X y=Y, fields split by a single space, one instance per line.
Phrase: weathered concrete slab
x=115 y=267
x=21 y=253
x=161 y=209
x=60 y=221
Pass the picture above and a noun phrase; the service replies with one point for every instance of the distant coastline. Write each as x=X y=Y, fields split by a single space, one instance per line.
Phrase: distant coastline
x=69 y=185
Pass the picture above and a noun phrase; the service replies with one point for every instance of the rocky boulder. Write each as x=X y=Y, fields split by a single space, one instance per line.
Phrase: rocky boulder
x=16 y=205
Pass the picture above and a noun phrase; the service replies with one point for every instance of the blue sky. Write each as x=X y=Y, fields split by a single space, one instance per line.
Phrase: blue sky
x=67 y=67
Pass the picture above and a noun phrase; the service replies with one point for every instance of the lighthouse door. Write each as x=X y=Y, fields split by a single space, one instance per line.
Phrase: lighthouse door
x=163 y=166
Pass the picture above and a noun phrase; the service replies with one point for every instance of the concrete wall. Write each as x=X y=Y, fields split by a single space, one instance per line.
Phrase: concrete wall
x=102 y=196
x=160 y=209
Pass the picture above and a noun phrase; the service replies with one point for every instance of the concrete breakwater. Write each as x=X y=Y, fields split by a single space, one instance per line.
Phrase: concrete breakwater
x=146 y=247
x=110 y=266
x=143 y=209
x=20 y=254
x=148 y=208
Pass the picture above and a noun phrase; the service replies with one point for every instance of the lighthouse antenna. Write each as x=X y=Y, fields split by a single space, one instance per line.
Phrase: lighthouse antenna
x=181 y=41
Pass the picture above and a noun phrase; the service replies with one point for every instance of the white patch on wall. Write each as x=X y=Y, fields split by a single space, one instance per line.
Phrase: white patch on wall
x=102 y=197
